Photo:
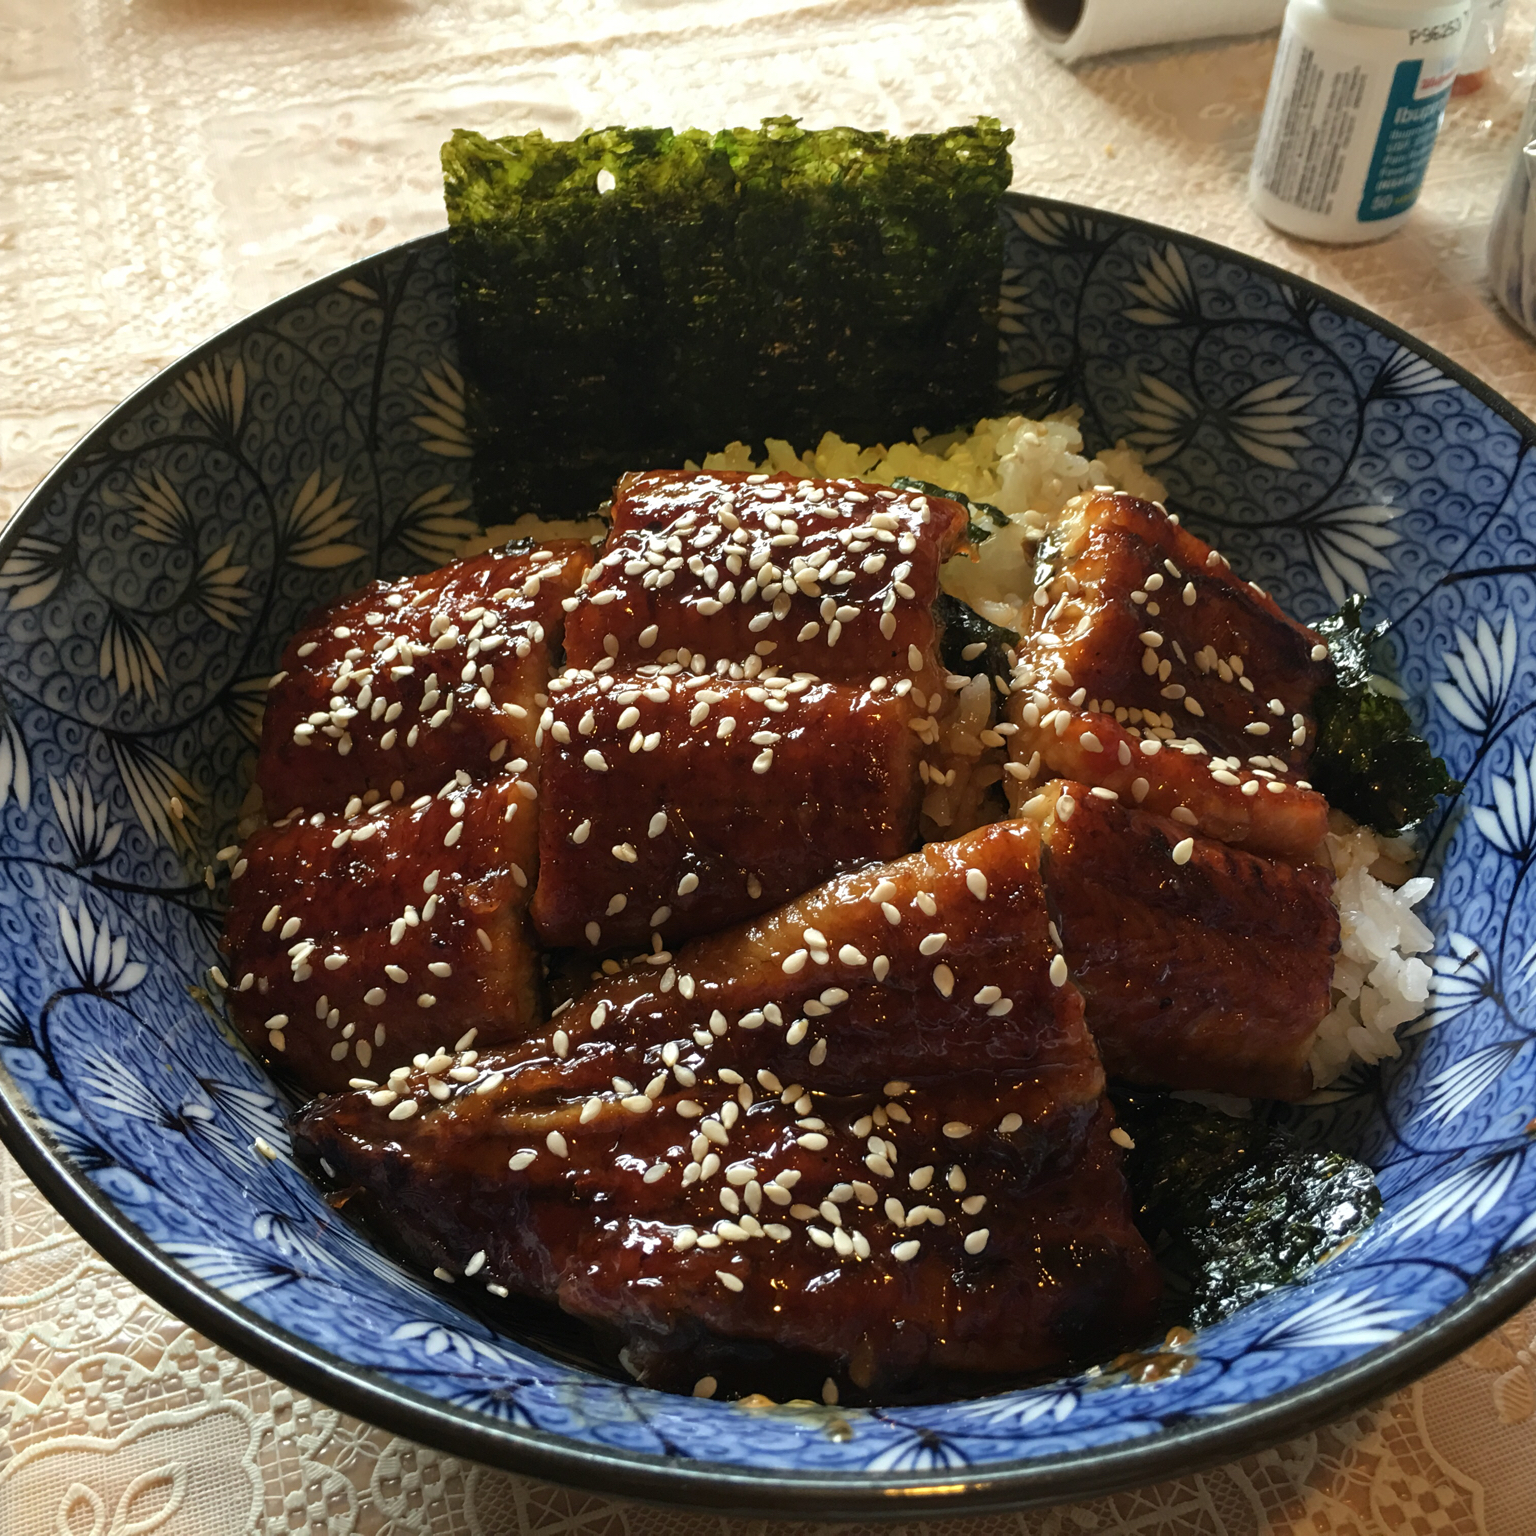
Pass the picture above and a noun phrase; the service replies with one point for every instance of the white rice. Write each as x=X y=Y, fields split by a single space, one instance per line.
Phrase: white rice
x=1378 y=983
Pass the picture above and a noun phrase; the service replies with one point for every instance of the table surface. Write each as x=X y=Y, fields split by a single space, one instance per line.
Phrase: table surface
x=172 y=164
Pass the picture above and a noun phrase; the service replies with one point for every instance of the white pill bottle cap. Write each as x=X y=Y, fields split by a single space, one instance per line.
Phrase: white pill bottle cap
x=1355 y=101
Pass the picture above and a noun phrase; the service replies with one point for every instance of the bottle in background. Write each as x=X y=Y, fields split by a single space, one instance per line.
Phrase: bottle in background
x=1355 y=101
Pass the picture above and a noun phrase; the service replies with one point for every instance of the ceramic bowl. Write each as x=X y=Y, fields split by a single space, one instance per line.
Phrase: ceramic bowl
x=147 y=588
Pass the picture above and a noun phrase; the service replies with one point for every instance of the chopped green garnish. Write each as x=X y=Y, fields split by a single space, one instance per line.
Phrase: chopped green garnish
x=1233 y=1208
x=1369 y=761
x=635 y=297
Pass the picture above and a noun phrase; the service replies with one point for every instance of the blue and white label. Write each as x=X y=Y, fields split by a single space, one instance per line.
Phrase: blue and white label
x=1403 y=144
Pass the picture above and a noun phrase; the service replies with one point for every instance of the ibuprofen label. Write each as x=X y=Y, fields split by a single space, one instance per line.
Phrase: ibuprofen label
x=1403 y=144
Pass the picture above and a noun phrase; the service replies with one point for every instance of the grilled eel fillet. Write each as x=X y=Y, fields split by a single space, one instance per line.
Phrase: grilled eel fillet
x=862 y=1137
x=1154 y=671
x=358 y=941
x=1201 y=966
x=753 y=682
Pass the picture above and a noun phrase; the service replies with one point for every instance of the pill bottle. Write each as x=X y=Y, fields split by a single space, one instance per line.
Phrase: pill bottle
x=1355 y=101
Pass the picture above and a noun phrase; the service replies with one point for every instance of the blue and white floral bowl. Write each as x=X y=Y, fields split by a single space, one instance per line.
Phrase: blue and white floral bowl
x=146 y=590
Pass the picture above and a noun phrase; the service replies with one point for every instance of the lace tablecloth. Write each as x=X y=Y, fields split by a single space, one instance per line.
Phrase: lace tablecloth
x=170 y=165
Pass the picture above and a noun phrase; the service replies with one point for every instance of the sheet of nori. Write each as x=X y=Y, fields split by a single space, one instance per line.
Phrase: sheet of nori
x=752 y=283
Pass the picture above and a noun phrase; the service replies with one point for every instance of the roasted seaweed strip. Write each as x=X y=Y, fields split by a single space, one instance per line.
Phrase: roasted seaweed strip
x=758 y=282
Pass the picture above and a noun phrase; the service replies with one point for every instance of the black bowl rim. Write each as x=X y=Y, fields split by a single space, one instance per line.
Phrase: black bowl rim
x=1180 y=1450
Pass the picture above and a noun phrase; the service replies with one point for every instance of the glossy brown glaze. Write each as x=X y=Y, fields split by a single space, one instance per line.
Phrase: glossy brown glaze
x=1275 y=818
x=325 y=904
x=835 y=578
x=749 y=1144
x=408 y=681
x=680 y=804
x=910 y=998
x=1207 y=974
x=1140 y=625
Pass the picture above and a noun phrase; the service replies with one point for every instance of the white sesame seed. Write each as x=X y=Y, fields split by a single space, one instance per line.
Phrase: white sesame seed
x=596 y=761
x=943 y=977
x=1058 y=970
x=556 y=1144
x=1183 y=851
x=976 y=883
x=793 y=964
x=1010 y=1123
x=403 y=1110
x=977 y=1240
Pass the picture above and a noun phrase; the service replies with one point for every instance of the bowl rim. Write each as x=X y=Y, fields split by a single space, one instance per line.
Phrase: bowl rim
x=1180 y=1449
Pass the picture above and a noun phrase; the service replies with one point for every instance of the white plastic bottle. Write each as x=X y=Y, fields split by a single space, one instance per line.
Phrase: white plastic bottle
x=1355 y=102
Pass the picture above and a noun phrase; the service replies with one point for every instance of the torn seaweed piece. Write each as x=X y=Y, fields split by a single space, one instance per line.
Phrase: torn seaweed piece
x=638 y=297
x=962 y=626
x=984 y=517
x=1369 y=760
x=1234 y=1208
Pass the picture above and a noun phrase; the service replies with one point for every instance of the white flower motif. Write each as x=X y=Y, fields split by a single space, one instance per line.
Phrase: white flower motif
x=439 y=1339
x=1405 y=373
x=88 y=829
x=1481 y=675
x=1266 y=420
x=1343 y=541
x=445 y=421
x=1017 y=1409
x=216 y=394
x=920 y=1450
x=1332 y=1321
x=1165 y=419
x=152 y=783
x=1510 y=823
x=429 y=527
x=163 y=516
x=1053 y=226
x=15 y=770
x=245 y=702
x=34 y=569
x=310 y=532
x=217 y=588
x=1473 y=1192
x=1166 y=290
x=240 y=1276
x=1461 y=1084
x=1462 y=978
x=100 y=961
x=129 y=656
x=14 y=1029
x=295 y=1239
x=359 y=290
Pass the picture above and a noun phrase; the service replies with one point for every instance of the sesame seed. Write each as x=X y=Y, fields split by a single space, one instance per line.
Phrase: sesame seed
x=1122 y=1138
x=931 y=944
x=520 y=1160
x=976 y=884
x=705 y=1386
x=403 y=1110
x=793 y=964
x=977 y=1240
x=943 y=977
x=1183 y=851
x=596 y=761
x=1010 y=1123
x=1319 y=653
x=556 y=1144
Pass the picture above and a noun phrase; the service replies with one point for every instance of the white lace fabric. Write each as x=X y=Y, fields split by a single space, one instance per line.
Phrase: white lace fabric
x=170 y=165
